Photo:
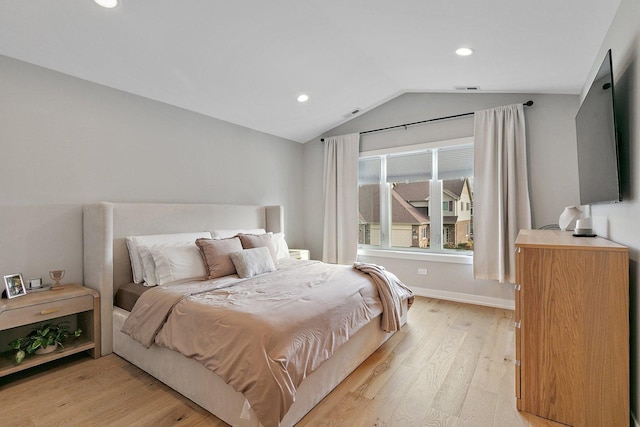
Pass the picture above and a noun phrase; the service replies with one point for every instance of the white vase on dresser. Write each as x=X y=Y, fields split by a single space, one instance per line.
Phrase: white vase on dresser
x=568 y=216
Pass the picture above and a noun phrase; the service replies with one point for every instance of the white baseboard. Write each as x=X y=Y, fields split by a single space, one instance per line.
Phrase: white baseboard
x=467 y=298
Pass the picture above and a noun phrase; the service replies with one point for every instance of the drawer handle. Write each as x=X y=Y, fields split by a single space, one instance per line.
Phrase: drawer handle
x=516 y=287
x=50 y=310
x=517 y=325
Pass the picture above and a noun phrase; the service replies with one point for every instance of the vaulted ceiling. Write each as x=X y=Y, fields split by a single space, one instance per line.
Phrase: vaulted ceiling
x=246 y=61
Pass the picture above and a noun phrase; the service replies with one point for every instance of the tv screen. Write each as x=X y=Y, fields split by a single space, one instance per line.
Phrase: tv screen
x=598 y=165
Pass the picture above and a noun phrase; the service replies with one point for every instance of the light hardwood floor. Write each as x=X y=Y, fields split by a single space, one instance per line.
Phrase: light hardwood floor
x=451 y=365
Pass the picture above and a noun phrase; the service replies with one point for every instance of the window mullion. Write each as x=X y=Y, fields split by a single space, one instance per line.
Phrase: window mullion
x=435 y=206
x=385 y=206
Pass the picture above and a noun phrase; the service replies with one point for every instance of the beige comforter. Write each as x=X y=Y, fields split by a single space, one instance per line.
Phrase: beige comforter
x=263 y=335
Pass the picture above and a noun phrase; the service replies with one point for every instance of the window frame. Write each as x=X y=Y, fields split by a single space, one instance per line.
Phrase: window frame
x=385 y=249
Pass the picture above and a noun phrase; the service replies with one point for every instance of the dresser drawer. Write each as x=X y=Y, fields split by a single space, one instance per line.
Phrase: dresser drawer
x=45 y=311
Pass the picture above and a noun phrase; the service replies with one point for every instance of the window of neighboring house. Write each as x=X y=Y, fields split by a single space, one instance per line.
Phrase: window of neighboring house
x=408 y=198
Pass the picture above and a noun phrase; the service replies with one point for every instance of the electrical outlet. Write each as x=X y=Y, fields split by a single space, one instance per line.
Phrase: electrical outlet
x=422 y=271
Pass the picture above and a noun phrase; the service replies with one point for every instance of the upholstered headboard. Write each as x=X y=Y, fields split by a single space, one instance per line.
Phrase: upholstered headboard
x=106 y=225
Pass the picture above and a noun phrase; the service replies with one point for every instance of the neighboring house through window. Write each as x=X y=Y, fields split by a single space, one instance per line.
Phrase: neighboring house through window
x=417 y=197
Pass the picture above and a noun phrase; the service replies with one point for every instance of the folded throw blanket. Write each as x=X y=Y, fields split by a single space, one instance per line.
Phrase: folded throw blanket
x=392 y=291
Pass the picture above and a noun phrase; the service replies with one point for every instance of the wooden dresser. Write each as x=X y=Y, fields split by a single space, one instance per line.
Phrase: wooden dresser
x=572 y=328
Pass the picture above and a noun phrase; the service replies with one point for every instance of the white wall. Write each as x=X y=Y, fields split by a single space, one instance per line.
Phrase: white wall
x=619 y=222
x=552 y=162
x=65 y=142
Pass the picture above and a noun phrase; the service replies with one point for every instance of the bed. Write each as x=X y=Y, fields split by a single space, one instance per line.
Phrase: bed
x=107 y=268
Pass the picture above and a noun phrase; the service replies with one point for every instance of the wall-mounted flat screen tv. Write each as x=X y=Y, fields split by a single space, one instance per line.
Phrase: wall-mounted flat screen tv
x=598 y=153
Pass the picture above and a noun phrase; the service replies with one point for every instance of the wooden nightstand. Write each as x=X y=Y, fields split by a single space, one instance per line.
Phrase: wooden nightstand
x=39 y=307
x=299 y=253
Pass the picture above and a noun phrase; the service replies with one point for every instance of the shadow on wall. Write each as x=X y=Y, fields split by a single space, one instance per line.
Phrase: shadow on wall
x=623 y=91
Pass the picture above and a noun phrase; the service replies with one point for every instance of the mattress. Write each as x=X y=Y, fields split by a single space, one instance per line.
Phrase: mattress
x=127 y=295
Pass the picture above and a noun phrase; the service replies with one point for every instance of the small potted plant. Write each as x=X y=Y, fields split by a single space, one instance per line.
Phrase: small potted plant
x=43 y=339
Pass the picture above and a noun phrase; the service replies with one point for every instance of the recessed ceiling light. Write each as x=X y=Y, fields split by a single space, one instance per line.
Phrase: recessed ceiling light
x=109 y=4
x=303 y=97
x=464 y=51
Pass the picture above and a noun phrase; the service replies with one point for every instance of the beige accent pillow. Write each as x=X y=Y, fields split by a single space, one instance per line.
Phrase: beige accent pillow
x=251 y=262
x=215 y=253
x=251 y=241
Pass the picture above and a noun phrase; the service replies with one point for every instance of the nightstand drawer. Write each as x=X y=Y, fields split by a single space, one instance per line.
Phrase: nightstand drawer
x=45 y=311
x=299 y=253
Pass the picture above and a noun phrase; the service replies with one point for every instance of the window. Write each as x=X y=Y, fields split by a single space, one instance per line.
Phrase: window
x=416 y=200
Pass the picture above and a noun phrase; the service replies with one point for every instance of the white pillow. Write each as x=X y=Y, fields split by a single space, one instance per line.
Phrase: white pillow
x=149 y=273
x=251 y=262
x=148 y=266
x=177 y=262
x=133 y=242
x=225 y=234
x=282 y=249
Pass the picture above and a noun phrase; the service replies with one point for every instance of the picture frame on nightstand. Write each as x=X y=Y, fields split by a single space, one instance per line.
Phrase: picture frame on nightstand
x=14 y=285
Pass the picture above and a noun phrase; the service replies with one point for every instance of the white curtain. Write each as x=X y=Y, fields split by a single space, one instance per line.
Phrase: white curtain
x=340 y=244
x=501 y=191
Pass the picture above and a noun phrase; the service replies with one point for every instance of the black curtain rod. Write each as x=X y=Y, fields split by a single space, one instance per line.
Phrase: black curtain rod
x=527 y=104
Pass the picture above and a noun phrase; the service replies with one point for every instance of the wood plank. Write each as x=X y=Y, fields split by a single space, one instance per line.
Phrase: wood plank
x=452 y=394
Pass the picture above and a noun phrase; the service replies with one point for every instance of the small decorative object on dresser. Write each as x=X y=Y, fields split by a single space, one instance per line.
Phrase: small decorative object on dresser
x=569 y=214
x=35 y=283
x=14 y=285
x=56 y=276
x=583 y=228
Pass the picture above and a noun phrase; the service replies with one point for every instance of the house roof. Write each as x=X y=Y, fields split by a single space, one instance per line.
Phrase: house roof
x=403 y=195
x=403 y=213
x=419 y=191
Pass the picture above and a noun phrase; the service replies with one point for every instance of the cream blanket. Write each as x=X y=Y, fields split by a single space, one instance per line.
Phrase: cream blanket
x=392 y=292
x=263 y=335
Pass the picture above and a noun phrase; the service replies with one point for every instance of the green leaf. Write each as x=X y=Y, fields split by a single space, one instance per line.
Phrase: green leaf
x=34 y=345
x=15 y=344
